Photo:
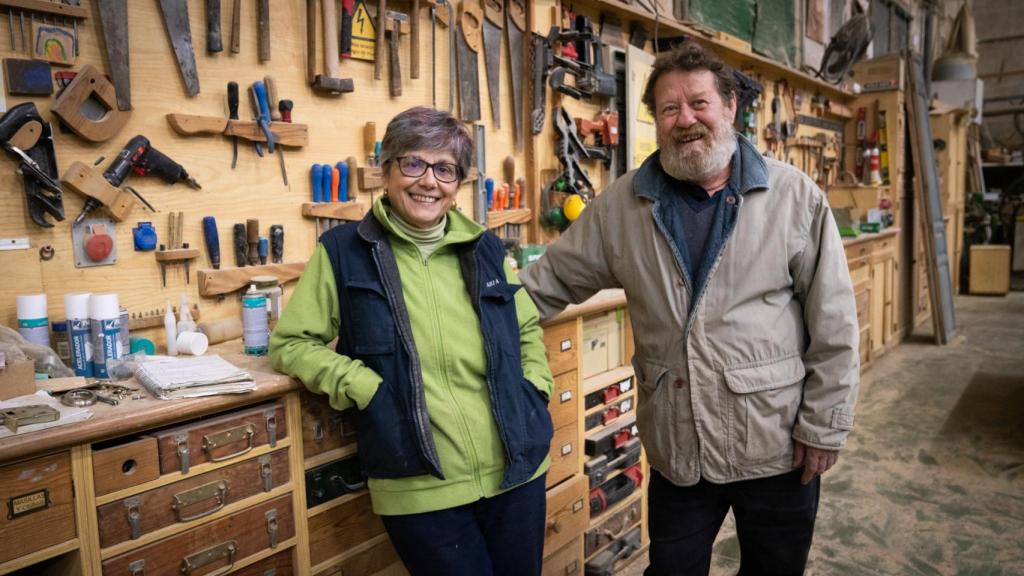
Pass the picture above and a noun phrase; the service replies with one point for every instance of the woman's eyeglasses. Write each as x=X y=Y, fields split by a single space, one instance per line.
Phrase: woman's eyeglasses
x=414 y=167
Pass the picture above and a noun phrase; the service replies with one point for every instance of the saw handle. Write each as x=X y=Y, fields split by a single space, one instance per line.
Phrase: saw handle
x=470 y=21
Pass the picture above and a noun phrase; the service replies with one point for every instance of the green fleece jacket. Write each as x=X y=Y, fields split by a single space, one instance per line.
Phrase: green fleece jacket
x=447 y=334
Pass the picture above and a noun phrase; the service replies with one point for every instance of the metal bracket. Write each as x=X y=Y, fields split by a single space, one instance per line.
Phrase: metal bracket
x=271 y=516
x=270 y=416
x=134 y=518
x=182 y=442
x=266 y=472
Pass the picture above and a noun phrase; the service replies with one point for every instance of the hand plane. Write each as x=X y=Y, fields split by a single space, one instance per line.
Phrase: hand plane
x=25 y=134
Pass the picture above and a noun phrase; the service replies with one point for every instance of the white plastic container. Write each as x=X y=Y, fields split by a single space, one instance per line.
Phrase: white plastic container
x=192 y=343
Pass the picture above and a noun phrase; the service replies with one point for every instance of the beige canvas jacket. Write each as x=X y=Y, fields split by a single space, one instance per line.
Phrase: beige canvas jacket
x=769 y=354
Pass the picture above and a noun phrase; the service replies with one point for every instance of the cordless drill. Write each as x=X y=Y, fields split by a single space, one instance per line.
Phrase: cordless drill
x=142 y=158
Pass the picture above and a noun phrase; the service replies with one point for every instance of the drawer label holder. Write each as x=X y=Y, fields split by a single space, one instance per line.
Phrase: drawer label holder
x=25 y=504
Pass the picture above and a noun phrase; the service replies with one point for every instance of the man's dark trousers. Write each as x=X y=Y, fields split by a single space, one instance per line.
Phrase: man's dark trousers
x=500 y=536
x=774 y=524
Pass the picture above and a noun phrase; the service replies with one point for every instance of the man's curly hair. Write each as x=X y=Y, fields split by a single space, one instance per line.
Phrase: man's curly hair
x=686 y=57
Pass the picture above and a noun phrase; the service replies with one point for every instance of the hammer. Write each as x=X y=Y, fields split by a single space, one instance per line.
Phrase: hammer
x=394 y=67
x=329 y=83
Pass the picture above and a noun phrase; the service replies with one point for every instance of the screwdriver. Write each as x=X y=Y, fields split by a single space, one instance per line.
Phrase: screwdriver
x=233 y=115
x=342 y=169
x=212 y=241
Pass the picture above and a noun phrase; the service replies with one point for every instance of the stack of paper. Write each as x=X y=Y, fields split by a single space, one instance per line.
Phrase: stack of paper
x=193 y=377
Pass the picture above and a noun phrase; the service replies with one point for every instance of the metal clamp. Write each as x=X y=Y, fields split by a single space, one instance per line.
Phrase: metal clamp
x=211 y=442
x=199 y=559
x=134 y=517
x=137 y=568
x=182 y=500
x=318 y=431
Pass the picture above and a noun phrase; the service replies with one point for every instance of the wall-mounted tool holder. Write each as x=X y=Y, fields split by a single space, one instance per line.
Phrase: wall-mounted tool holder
x=155 y=318
x=285 y=133
x=88 y=106
x=91 y=183
x=226 y=280
x=499 y=218
x=93 y=243
x=351 y=210
x=47 y=30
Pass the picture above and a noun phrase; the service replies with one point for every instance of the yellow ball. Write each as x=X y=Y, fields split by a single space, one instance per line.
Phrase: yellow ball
x=573 y=207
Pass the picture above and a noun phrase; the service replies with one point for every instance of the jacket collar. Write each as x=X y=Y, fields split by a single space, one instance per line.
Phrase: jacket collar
x=376 y=225
x=749 y=172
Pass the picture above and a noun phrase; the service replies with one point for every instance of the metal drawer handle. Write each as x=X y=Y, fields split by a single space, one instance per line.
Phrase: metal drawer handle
x=214 y=441
x=183 y=500
x=202 y=558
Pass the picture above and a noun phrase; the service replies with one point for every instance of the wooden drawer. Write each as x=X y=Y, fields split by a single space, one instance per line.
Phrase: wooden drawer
x=565 y=454
x=280 y=564
x=213 y=546
x=613 y=527
x=339 y=529
x=566 y=561
x=564 y=400
x=859 y=250
x=561 y=346
x=323 y=427
x=38 y=505
x=860 y=273
x=220 y=437
x=567 y=515
x=372 y=561
x=191 y=498
x=125 y=465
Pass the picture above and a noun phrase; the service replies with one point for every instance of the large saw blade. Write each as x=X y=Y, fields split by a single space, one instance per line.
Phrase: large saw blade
x=516 y=26
x=176 y=21
x=493 y=22
x=114 y=17
x=467 y=45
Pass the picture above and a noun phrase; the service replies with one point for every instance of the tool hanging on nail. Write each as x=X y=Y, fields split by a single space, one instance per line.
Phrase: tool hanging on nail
x=213 y=40
x=494 y=21
x=176 y=250
x=25 y=135
x=233 y=115
x=114 y=19
x=327 y=83
x=394 y=64
x=236 y=27
x=263 y=23
x=468 y=45
x=175 y=13
x=515 y=28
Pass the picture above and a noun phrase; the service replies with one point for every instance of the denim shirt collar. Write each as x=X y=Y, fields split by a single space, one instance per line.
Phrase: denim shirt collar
x=749 y=172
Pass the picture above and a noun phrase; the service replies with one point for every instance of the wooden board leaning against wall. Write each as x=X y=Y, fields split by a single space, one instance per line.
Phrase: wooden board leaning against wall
x=255 y=188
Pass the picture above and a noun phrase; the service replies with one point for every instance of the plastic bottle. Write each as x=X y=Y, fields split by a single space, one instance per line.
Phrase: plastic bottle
x=185 y=321
x=170 y=331
x=105 y=321
x=33 y=322
x=255 y=334
x=76 y=308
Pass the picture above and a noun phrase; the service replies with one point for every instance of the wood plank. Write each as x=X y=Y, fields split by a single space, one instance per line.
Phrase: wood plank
x=498 y=218
x=294 y=411
x=285 y=133
x=55 y=8
x=337 y=210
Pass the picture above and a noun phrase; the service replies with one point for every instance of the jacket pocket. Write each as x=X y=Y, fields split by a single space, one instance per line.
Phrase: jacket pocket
x=655 y=415
x=373 y=325
x=765 y=401
x=387 y=438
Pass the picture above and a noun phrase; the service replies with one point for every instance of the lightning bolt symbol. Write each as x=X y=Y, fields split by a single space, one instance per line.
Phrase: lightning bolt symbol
x=360 y=19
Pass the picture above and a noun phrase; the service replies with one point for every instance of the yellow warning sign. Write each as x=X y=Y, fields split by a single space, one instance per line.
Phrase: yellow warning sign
x=364 y=35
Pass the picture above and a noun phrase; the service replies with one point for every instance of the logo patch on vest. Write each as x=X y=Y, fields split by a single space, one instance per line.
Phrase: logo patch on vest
x=492 y=283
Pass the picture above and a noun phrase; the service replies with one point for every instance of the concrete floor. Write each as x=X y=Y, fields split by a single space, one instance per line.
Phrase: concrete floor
x=932 y=479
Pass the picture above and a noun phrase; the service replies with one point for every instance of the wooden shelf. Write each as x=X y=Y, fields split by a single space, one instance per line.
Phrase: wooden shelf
x=595 y=521
x=351 y=210
x=605 y=379
x=216 y=282
x=618 y=400
x=498 y=218
x=724 y=48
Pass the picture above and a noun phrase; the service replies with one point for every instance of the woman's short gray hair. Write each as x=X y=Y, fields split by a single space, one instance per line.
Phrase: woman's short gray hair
x=423 y=128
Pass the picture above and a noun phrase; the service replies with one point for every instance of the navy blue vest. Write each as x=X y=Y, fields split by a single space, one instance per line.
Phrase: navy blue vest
x=395 y=440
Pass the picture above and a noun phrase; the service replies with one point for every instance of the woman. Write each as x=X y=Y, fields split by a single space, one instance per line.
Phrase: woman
x=441 y=354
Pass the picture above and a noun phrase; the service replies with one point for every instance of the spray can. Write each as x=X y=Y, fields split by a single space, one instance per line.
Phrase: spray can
x=255 y=333
x=33 y=323
x=105 y=319
x=76 y=308
x=122 y=336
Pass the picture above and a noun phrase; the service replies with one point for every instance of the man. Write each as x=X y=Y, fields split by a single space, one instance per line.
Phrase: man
x=744 y=320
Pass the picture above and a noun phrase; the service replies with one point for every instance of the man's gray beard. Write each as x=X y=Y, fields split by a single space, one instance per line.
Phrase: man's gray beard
x=702 y=166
